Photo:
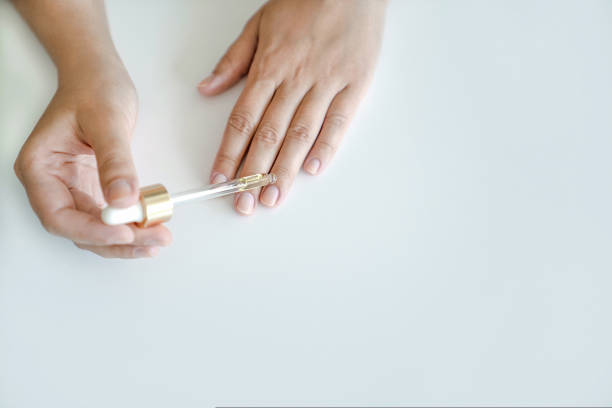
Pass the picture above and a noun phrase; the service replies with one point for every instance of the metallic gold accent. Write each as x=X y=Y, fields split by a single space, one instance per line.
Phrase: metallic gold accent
x=156 y=205
x=255 y=180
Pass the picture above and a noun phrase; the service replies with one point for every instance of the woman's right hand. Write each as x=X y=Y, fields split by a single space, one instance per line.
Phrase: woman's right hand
x=78 y=159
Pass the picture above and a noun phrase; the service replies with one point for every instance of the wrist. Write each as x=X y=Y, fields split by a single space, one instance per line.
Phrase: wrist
x=100 y=82
x=79 y=68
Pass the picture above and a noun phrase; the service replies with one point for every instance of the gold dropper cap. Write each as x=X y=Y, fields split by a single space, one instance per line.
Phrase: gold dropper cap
x=157 y=205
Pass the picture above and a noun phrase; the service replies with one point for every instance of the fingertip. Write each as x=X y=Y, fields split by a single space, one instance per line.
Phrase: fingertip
x=121 y=193
x=145 y=252
x=123 y=235
x=165 y=237
x=204 y=91
x=153 y=251
x=211 y=85
x=312 y=166
x=269 y=197
x=244 y=203
x=216 y=178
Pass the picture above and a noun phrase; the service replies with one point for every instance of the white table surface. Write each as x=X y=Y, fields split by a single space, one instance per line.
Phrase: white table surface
x=458 y=250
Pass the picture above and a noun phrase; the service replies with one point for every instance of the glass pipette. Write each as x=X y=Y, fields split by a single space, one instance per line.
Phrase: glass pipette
x=156 y=204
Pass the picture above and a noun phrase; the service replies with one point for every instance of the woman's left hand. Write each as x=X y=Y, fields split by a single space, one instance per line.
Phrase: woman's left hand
x=309 y=63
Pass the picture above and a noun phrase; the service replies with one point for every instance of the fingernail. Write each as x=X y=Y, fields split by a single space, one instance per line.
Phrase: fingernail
x=219 y=178
x=245 y=203
x=146 y=252
x=269 y=196
x=210 y=81
x=312 y=166
x=118 y=189
x=126 y=238
x=155 y=242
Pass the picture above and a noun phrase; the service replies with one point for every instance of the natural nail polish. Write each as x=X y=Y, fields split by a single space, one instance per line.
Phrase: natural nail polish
x=270 y=196
x=118 y=189
x=245 y=203
x=219 y=178
x=313 y=166
x=210 y=81
x=142 y=252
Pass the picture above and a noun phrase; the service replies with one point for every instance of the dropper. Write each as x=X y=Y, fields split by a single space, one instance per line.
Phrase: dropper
x=156 y=205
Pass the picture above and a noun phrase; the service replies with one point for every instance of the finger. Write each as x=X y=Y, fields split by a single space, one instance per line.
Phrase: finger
x=157 y=235
x=267 y=141
x=301 y=134
x=55 y=207
x=121 y=251
x=335 y=125
x=110 y=140
x=236 y=61
x=240 y=126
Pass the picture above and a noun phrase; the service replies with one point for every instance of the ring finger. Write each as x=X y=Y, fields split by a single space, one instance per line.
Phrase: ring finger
x=301 y=135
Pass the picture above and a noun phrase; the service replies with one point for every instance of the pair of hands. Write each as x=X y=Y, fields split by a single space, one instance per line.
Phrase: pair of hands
x=308 y=64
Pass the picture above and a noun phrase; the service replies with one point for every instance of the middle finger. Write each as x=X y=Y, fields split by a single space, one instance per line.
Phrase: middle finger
x=268 y=139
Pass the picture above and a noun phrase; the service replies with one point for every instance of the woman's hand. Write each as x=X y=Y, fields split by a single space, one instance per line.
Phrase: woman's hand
x=78 y=157
x=309 y=63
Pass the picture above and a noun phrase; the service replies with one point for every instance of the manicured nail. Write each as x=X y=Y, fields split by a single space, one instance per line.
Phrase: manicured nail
x=219 y=178
x=155 y=242
x=126 y=238
x=210 y=81
x=118 y=189
x=146 y=252
x=269 y=196
x=313 y=166
x=245 y=203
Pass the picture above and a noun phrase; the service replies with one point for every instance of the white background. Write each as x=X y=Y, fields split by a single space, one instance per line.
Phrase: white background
x=458 y=250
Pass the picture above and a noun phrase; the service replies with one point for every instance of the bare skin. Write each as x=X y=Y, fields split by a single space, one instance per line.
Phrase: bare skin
x=78 y=155
x=308 y=64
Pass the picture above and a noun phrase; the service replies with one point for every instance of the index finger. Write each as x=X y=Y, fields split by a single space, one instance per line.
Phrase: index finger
x=55 y=207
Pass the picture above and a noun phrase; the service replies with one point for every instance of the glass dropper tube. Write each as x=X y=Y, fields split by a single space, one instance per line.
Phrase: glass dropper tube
x=221 y=189
x=156 y=205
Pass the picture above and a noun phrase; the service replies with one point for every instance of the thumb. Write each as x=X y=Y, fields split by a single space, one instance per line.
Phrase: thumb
x=115 y=167
x=236 y=61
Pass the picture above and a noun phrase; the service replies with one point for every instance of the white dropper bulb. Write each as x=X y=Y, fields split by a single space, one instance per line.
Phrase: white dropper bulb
x=117 y=216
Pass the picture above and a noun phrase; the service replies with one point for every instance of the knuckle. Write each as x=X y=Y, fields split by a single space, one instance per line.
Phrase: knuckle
x=266 y=67
x=301 y=133
x=326 y=147
x=241 y=122
x=301 y=72
x=282 y=172
x=265 y=75
x=112 y=163
x=267 y=135
x=262 y=84
x=225 y=159
x=336 y=119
